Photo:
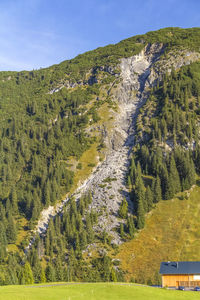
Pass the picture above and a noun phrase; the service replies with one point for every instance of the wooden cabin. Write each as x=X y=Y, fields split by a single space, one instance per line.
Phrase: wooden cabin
x=180 y=273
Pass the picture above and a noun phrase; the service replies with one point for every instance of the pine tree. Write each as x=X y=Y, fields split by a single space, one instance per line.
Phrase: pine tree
x=129 y=181
x=14 y=201
x=130 y=226
x=42 y=276
x=27 y=274
x=89 y=229
x=106 y=268
x=47 y=192
x=173 y=183
x=157 y=194
x=36 y=266
x=149 y=198
x=3 y=241
x=81 y=206
x=121 y=230
x=47 y=243
x=36 y=207
x=140 y=215
x=83 y=239
x=132 y=171
x=113 y=276
x=163 y=174
x=77 y=242
x=11 y=231
x=58 y=269
x=50 y=273
x=139 y=190
x=73 y=208
x=191 y=172
x=123 y=209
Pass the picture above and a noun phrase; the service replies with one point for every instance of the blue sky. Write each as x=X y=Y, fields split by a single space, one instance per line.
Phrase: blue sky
x=39 y=33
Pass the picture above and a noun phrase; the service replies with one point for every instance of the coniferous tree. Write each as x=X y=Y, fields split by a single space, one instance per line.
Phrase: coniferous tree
x=106 y=268
x=191 y=172
x=27 y=274
x=130 y=226
x=36 y=266
x=47 y=243
x=42 y=276
x=149 y=198
x=157 y=194
x=13 y=200
x=174 y=185
x=58 y=269
x=121 y=230
x=139 y=190
x=50 y=273
x=123 y=209
x=163 y=174
x=11 y=232
x=3 y=241
x=89 y=229
x=83 y=239
x=113 y=276
x=132 y=171
x=140 y=215
x=47 y=192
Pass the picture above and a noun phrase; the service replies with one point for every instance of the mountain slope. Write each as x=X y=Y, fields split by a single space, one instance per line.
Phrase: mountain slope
x=68 y=134
x=171 y=233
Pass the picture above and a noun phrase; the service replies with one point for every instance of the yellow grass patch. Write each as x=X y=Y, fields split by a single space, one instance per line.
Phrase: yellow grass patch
x=171 y=233
x=91 y=156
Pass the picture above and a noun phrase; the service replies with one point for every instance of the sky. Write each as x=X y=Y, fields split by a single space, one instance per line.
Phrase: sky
x=38 y=33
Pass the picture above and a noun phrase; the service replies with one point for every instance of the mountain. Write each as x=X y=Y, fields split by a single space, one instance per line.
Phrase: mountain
x=90 y=149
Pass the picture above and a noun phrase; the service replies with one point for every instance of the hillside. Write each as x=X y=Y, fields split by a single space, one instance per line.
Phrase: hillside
x=171 y=233
x=91 y=150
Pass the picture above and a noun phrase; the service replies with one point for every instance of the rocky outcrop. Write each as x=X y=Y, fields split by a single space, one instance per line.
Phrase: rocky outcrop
x=108 y=180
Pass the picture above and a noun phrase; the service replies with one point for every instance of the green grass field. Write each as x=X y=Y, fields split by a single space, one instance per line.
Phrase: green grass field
x=171 y=233
x=92 y=291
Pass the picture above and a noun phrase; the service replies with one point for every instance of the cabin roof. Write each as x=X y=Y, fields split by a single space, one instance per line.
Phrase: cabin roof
x=180 y=267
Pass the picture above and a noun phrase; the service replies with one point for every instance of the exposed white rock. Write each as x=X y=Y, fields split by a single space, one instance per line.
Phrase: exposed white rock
x=137 y=73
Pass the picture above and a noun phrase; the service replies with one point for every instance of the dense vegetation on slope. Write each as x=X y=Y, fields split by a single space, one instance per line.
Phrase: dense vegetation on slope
x=59 y=256
x=167 y=140
x=44 y=114
x=34 y=151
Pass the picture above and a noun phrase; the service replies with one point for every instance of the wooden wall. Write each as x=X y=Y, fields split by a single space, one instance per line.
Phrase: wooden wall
x=173 y=280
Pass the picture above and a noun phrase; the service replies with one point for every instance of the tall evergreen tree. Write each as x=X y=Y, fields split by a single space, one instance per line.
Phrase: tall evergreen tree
x=173 y=183
x=11 y=231
x=149 y=198
x=130 y=226
x=14 y=201
x=50 y=273
x=157 y=194
x=140 y=215
x=139 y=190
x=27 y=274
x=123 y=209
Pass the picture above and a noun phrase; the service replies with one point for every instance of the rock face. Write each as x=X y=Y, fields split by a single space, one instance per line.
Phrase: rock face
x=108 y=181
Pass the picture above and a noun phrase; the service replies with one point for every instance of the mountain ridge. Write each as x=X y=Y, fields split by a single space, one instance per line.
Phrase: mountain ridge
x=104 y=129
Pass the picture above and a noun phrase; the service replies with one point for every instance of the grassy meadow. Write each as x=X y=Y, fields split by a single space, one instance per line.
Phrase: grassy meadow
x=92 y=291
x=171 y=233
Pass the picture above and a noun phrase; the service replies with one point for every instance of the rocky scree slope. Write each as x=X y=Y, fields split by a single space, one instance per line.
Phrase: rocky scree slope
x=107 y=183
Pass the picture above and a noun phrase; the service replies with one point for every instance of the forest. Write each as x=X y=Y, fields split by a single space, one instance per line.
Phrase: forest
x=43 y=119
x=167 y=148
